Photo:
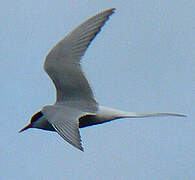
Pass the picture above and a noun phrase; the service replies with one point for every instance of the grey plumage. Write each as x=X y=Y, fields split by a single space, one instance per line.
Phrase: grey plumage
x=75 y=105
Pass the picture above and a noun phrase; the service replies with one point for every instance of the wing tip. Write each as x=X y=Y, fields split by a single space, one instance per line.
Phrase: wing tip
x=81 y=148
x=110 y=11
x=107 y=13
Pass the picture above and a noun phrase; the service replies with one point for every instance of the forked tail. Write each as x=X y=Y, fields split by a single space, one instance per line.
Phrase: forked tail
x=158 y=114
x=109 y=114
x=105 y=114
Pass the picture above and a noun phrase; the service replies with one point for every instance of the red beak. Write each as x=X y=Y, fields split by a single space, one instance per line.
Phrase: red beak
x=26 y=127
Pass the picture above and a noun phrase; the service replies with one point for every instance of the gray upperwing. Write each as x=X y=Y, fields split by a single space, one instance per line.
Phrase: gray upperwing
x=63 y=62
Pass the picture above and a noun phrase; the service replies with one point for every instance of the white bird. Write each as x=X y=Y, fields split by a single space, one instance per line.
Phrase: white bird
x=75 y=105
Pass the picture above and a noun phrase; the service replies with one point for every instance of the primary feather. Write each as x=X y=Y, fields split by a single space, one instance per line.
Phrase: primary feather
x=63 y=61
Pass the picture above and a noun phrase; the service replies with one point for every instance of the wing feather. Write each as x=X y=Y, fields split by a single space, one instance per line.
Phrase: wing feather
x=65 y=121
x=63 y=62
x=71 y=137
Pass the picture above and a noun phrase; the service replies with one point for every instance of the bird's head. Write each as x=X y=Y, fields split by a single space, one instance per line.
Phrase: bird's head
x=33 y=122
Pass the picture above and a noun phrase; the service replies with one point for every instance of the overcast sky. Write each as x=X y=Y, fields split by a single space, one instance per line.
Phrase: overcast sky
x=143 y=60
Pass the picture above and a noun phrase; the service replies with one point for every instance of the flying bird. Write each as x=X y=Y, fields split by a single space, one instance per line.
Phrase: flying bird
x=75 y=105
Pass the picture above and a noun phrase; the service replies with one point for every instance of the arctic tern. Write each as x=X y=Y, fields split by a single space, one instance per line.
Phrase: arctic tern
x=75 y=105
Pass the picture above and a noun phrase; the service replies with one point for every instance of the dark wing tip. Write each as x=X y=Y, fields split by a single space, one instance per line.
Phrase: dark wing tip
x=110 y=9
x=82 y=149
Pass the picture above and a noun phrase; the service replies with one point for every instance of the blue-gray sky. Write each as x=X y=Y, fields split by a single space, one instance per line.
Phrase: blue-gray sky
x=142 y=61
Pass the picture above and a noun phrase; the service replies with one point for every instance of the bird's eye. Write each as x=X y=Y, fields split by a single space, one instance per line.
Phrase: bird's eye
x=36 y=116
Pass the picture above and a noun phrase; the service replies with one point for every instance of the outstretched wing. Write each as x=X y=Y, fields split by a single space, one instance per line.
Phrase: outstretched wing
x=63 y=61
x=65 y=121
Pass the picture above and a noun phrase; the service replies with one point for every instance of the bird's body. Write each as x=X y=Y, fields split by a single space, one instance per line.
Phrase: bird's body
x=103 y=115
x=75 y=105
